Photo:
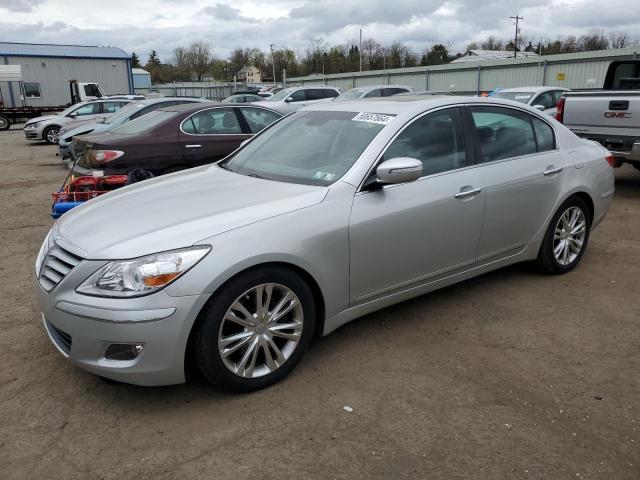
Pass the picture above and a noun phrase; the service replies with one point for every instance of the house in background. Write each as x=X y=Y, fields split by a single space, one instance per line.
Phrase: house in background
x=484 y=55
x=249 y=74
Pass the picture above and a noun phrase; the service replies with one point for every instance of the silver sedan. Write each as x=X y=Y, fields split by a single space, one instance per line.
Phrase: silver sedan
x=333 y=212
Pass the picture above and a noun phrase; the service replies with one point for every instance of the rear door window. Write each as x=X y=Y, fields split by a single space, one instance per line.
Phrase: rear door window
x=258 y=118
x=377 y=92
x=111 y=107
x=298 y=96
x=544 y=135
x=218 y=121
x=503 y=133
x=329 y=93
x=315 y=94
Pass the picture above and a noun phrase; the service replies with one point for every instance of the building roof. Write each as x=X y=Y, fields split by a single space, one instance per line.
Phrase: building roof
x=12 y=49
x=246 y=69
x=482 y=55
x=139 y=71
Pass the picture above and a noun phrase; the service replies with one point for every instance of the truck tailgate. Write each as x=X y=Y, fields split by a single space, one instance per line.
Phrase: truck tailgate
x=603 y=113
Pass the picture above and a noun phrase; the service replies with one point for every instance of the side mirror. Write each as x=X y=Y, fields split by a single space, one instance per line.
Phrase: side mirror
x=542 y=108
x=399 y=170
x=288 y=99
x=73 y=114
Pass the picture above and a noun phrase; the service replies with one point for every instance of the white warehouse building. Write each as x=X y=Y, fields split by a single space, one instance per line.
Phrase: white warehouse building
x=47 y=70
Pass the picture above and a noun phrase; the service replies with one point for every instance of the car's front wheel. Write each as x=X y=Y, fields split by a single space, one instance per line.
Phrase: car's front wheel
x=50 y=135
x=255 y=329
x=566 y=238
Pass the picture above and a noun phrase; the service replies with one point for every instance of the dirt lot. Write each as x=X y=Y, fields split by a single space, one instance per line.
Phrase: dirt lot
x=511 y=375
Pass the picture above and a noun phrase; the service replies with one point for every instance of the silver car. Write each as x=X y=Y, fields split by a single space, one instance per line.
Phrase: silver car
x=294 y=98
x=373 y=91
x=330 y=213
x=48 y=127
x=544 y=99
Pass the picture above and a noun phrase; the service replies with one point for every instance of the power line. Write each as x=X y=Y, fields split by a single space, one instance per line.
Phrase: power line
x=515 y=42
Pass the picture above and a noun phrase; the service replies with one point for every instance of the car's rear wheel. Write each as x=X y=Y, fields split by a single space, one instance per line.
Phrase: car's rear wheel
x=50 y=135
x=255 y=329
x=566 y=238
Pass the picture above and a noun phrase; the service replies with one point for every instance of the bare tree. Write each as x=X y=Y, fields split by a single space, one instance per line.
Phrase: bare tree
x=594 y=40
x=200 y=58
x=619 y=40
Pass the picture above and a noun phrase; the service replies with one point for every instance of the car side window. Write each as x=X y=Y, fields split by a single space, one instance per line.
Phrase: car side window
x=556 y=96
x=435 y=139
x=258 y=118
x=88 y=109
x=374 y=93
x=503 y=133
x=219 y=121
x=111 y=107
x=545 y=99
x=297 y=96
x=544 y=135
x=329 y=93
x=315 y=94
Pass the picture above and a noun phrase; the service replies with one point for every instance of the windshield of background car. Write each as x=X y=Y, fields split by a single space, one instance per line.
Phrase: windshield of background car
x=352 y=94
x=144 y=123
x=522 y=97
x=123 y=113
x=281 y=95
x=312 y=148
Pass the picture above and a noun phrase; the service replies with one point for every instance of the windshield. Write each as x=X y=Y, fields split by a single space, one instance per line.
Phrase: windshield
x=124 y=113
x=522 y=97
x=352 y=94
x=144 y=123
x=281 y=95
x=312 y=148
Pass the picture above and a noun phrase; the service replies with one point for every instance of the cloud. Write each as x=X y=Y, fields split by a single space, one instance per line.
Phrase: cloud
x=19 y=5
x=222 y=11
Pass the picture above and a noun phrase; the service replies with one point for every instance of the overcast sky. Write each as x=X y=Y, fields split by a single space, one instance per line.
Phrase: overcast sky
x=142 y=25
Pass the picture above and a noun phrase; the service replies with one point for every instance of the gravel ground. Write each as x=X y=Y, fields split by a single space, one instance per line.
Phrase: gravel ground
x=511 y=375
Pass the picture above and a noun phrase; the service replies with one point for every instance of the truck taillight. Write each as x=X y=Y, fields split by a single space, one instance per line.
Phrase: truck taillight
x=104 y=156
x=611 y=160
x=560 y=109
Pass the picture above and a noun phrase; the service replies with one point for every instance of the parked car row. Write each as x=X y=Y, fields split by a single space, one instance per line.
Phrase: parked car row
x=327 y=213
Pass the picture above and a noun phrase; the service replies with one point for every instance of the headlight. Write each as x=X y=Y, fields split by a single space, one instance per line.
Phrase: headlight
x=142 y=276
x=32 y=125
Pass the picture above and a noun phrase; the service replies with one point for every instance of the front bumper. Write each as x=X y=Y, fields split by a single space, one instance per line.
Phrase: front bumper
x=33 y=133
x=83 y=327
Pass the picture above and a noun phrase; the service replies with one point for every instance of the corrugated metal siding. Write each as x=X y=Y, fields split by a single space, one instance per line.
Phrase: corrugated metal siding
x=49 y=50
x=582 y=70
x=53 y=75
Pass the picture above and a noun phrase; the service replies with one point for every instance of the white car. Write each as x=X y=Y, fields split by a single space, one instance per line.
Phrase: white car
x=291 y=99
x=544 y=99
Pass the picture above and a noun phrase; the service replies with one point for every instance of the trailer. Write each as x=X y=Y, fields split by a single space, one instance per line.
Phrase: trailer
x=12 y=74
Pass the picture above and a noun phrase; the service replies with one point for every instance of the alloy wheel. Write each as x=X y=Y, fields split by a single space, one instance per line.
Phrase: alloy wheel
x=52 y=136
x=569 y=235
x=260 y=330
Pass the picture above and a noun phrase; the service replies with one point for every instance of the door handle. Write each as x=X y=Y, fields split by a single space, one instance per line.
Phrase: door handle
x=551 y=170
x=193 y=146
x=472 y=191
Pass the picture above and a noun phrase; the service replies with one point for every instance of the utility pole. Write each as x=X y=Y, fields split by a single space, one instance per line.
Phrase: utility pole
x=515 y=42
x=273 y=64
x=360 y=50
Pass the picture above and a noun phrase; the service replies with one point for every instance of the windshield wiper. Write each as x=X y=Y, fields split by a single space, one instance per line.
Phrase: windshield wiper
x=255 y=175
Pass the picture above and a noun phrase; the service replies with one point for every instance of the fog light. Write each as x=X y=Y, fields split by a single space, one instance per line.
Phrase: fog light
x=123 y=351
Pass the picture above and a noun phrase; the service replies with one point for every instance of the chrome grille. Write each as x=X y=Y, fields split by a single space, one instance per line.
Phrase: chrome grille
x=56 y=265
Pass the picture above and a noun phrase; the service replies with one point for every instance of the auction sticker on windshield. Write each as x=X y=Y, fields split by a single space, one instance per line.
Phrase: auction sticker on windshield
x=373 y=118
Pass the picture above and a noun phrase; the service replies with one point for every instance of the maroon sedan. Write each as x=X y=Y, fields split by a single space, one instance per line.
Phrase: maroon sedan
x=171 y=139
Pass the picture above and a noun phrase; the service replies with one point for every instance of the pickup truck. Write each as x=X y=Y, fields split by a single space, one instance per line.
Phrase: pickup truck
x=610 y=116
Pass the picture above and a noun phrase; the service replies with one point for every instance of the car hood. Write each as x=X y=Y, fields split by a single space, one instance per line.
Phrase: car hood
x=43 y=118
x=178 y=210
x=90 y=126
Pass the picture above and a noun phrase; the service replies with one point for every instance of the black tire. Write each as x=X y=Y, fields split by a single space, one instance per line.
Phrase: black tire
x=5 y=123
x=636 y=165
x=547 y=260
x=207 y=355
x=48 y=132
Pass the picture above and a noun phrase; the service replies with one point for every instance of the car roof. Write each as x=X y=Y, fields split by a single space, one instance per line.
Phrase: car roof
x=408 y=106
x=194 y=107
x=530 y=89
x=305 y=87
